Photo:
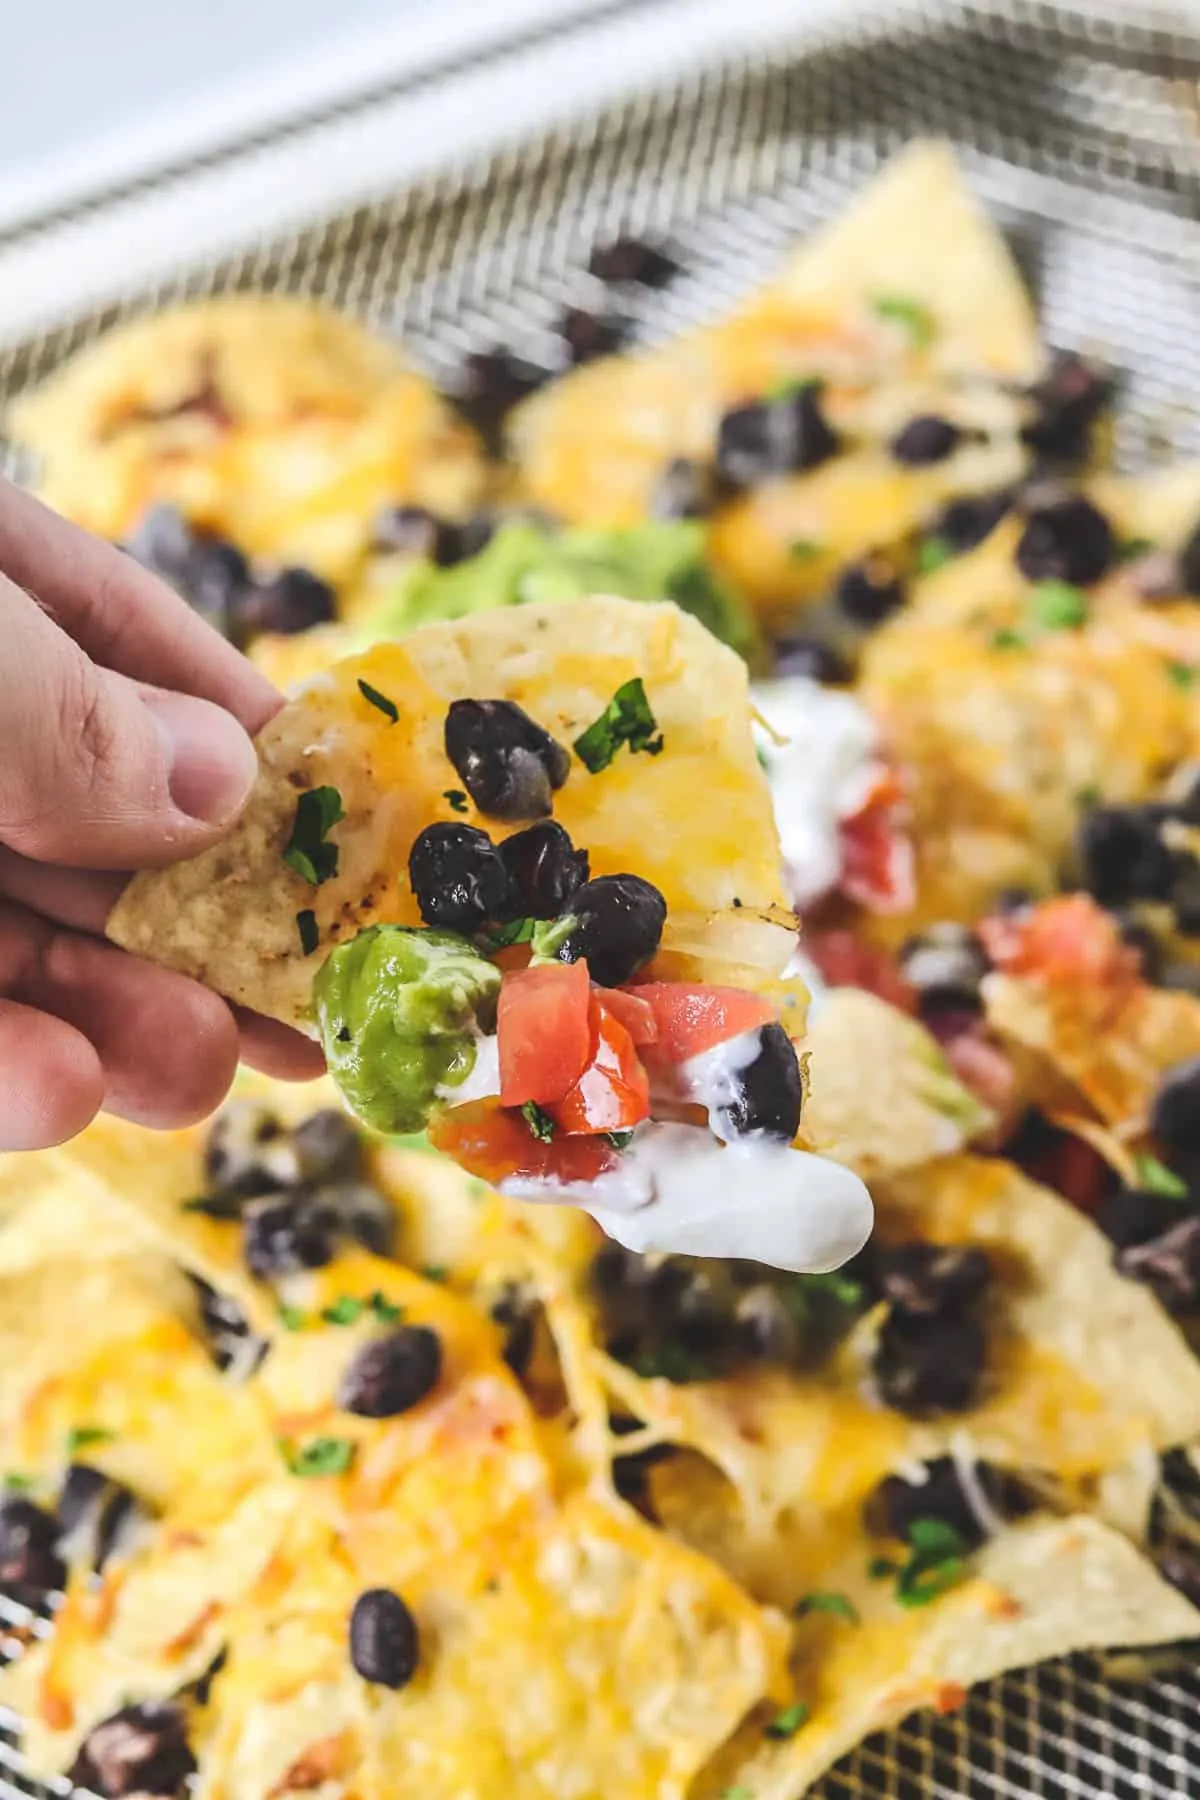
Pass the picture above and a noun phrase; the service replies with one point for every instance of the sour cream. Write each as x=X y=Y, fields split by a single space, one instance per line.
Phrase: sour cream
x=822 y=774
x=678 y=1190
x=483 y=1082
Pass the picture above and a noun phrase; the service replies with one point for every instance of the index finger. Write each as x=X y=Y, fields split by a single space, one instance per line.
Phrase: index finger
x=121 y=615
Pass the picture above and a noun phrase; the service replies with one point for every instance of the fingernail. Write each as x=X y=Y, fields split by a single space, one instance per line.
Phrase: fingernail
x=211 y=761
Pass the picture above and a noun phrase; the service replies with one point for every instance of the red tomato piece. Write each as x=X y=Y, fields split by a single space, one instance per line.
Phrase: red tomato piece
x=544 y=1030
x=1067 y=939
x=878 y=869
x=488 y=1140
x=692 y=1018
x=635 y=1014
x=613 y=1093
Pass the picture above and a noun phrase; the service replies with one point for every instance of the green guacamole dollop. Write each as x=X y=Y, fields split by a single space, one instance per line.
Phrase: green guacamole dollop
x=526 y=562
x=398 y=1010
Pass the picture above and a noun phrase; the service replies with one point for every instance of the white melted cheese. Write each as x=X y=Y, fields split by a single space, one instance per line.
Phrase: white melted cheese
x=678 y=1190
x=821 y=775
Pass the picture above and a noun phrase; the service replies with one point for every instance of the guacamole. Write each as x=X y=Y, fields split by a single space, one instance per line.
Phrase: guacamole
x=399 y=1011
x=525 y=561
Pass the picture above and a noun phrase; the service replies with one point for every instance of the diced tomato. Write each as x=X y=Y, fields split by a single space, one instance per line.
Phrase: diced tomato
x=613 y=1093
x=544 y=1031
x=491 y=1142
x=635 y=1014
x=692 y=1018
x=846 y=961
x=878 y=869
x=1068 y=939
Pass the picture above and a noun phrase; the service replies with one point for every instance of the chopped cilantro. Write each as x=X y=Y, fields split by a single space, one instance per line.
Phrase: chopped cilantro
x=1184 y=675
x=739 y=1792
x=387 y=707
x=385 y=1310
x=931 y=554
x=1088 y=796
x=81 y=1436
x=541 y=1125
x=17 y=1484
x=935 y=1563
x=306 y=925
x=789 y=386
x=882 y=1568
x=837 y=1285
x=619 y=1140
x=345 y=1310
x=1134 y=547
x=670 y=1362
x=823 y=1600
x=1058 y=606
x=456 y=798
x=916 y=319
x=435 y=1271
x=517 y=931
x=804 y=549
x=1155 y=1177
x=317 y=812
x=627 y=719
x=1008 y=639
x=787 y=1723
x=320 y=1456
x=292 y=1318
x=215 y=1206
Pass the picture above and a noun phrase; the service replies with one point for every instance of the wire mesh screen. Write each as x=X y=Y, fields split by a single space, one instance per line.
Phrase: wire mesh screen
x=1082 y=135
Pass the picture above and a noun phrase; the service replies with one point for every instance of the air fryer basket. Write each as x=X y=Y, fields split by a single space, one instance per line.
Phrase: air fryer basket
x=1080 y=130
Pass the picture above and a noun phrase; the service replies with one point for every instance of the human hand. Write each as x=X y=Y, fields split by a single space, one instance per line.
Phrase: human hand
x=124 y=723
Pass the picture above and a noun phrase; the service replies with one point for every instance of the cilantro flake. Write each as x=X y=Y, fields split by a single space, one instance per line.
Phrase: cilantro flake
x=787 y=1723
x=670 y=1362
x=17 y=1484
x=882 y=1568
x=627 y=719
x=1058 y=606
x=1134 y=547
x=738 y=1792
x=788 y=386
x=388 y=708
x=805 y=549
x=1155 y=1177
x=1008 y=639
x=823 y=1600
x=620 y=1140
x=1184 y=675
x=320 y=1456
x=517 y=931
x=307 y=852
x=916 y=319
x=931 y=554
x=936 y=1563
x=435 y=1271
x=215 y=1206
x=345 y=1310
x=541 y=1125
x=310 y=935
x=292 y=1318
x=81 y=1436
x=456 y=799
x=385 y=1310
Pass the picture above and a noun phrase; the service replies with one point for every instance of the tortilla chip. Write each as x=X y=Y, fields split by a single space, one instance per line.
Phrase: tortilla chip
x=229 y=916
x=892 y=305
x=268 y=420
x=911 y=1110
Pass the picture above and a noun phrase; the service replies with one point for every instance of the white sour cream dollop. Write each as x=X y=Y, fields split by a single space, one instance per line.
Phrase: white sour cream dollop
x=820 y=776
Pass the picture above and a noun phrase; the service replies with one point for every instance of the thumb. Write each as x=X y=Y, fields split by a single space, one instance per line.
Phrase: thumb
x=97 y=771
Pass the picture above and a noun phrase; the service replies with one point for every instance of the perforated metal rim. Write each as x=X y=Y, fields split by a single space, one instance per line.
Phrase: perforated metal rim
x=1081 y=131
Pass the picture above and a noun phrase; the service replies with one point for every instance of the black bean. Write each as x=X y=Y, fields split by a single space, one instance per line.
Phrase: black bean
x=544 y=870
x=227 y=1333
x=285 y=1234
x=1067 y=402
x=928 y=1365
x=1189 y=565
x=163 y=542
x=1066 y=540
x=868 y=591
x=357 y=1210
x=214 y=581
x=896 y=1504
x=589 y=335
x=1169 y=1264
x=1012 y=900
x=635 y=260
x=768 y=1329
x=963 y=524
x=142 y=1749
x=515 y=1311
x=1132 y=1216
x=925 y=439
x=508 y=764
x=416 y=532
x=30 y=1565
x=1181 y=1567
x=685 y=490
x=458 y=877
x=767 y=1093
x=290 y=601
x=98 y=1517
x=1184 y=897
x=946 y=964
x=1122 y=855
x=1175 y=1114
x=384 y=1642
x=924 y=1279
x=768 y=438
x=1139 y=937
x=490 y=383
x=699 y=1318
x=618 y=926
x=811 y=656
x=245 y=1152
x=327 y=1147
x=391 y=1374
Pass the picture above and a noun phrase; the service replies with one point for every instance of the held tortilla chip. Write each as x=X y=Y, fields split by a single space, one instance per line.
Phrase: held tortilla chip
x=230 y=916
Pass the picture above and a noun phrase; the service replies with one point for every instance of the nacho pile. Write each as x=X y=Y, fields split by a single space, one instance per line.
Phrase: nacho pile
x=361 y=1477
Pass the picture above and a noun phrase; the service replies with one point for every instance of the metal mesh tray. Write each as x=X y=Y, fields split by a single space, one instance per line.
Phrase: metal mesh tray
x=1081 y=132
